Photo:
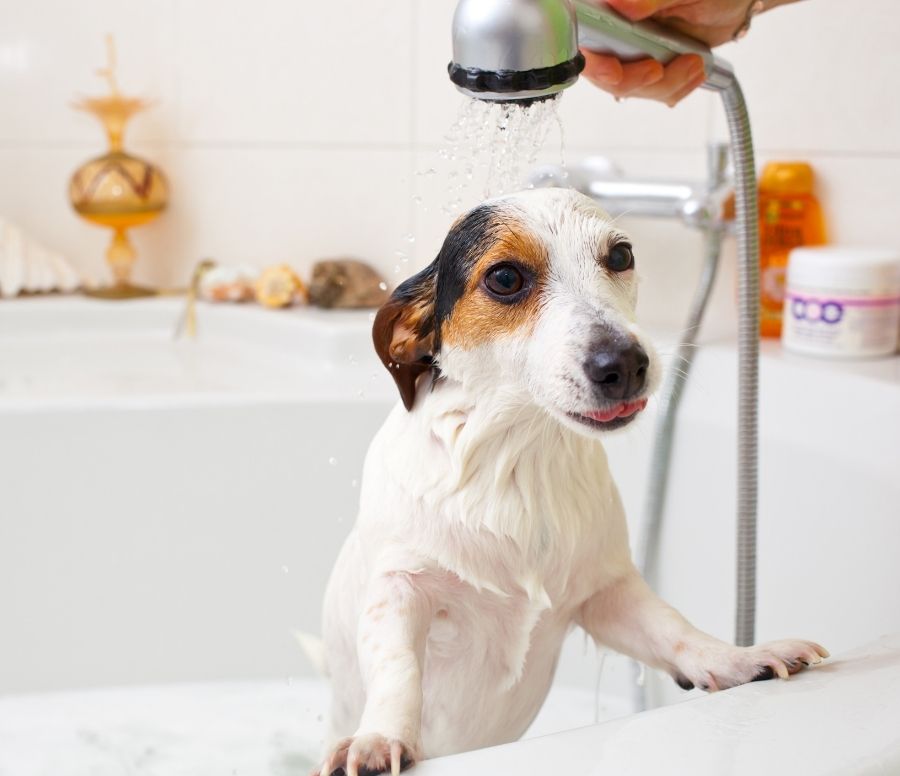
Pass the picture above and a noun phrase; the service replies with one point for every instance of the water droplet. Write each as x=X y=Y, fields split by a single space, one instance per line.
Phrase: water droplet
x=351 y=358
x=361 y=393
x=354 y=483
x=410 y=238
x=383 y=286
x=285 y=569
x=319 y=717
x=332 y=461
x=417 y=199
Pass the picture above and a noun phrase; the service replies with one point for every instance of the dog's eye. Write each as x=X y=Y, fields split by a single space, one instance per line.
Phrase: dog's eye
x=620 y=258
x=504 y=280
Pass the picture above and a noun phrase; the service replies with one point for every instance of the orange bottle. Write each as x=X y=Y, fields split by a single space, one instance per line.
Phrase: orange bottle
x=789 y=215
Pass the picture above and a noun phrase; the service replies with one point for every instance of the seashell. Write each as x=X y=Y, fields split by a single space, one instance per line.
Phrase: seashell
x=279 y=286
x=229 y=284
x=28 y=267
x=346 y=283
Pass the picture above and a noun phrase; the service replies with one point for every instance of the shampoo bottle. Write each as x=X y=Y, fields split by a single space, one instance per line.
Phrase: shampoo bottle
x=789 y=216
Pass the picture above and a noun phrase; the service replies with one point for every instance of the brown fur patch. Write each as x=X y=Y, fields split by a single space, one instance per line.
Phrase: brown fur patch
x=477 y=317
x=403 y=333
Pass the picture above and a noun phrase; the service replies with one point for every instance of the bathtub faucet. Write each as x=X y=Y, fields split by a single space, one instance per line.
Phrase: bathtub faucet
x=700 y=204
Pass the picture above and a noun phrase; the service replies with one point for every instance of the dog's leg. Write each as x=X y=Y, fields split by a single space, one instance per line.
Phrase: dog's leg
x=628 y=617
x=391 y=647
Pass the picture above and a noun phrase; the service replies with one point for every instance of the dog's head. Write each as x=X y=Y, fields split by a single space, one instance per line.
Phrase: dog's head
x=534 y=294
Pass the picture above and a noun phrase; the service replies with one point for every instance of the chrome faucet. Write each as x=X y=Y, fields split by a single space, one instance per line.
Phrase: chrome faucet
x=699 y=204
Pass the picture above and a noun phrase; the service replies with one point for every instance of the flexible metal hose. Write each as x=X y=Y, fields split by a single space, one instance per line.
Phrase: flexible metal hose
x=747 y=229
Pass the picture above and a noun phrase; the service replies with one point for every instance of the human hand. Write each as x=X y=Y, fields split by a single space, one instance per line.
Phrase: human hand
x=710 y=21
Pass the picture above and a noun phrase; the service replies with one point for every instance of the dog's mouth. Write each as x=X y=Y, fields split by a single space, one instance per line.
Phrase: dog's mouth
x=612 y=418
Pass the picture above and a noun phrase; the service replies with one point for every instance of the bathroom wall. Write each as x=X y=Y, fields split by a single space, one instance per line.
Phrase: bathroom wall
x=292 y=131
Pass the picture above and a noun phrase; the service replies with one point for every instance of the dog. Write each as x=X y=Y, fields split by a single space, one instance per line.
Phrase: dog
x=489 y=523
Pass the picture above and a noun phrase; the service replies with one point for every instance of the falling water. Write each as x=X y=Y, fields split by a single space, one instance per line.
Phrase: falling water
x=491 y=146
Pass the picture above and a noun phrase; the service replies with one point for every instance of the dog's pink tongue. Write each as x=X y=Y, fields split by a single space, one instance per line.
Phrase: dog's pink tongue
x=622 y=410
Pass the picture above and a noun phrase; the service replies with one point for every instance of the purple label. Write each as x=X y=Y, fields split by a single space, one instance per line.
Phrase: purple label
x=816 y=311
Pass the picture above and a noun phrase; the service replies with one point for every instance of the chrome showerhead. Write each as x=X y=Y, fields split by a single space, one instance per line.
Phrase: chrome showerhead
x=514 y=49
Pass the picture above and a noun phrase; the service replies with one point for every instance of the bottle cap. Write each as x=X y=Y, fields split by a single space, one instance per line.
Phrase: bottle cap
x=787 y=178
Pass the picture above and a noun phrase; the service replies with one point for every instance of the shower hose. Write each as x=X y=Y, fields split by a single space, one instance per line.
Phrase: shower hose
x=746 y=229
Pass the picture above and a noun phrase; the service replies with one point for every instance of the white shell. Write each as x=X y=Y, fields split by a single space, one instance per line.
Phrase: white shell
x=233 y=284
x=26 y=265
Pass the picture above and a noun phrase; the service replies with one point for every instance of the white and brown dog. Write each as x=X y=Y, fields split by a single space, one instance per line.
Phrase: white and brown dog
x=489 y=524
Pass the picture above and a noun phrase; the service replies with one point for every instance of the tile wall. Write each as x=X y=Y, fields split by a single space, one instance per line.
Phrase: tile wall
x=292 y=131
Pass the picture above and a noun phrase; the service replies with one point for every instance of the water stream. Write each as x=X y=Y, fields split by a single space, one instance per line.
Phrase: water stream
x=491 y=147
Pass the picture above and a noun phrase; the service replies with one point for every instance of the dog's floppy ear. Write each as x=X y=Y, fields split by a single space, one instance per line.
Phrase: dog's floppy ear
x=404 y=331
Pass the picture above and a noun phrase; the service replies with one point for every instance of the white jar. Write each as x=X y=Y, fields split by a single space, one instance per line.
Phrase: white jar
x=842 y=302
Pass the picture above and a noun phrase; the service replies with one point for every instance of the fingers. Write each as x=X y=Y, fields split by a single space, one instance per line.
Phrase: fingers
x=646 y=77
x=618 y=78
x=602 y=70
x=640 y=9
x=682 y=75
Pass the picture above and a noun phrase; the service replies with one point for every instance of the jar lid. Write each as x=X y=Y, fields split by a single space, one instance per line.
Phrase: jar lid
x=786 y=178
x=835 y=266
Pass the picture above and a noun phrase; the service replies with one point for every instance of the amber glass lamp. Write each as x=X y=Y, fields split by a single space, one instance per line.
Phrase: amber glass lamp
x=117 y=190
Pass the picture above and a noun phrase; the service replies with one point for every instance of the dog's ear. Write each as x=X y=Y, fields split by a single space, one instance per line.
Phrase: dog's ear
x=404 y=331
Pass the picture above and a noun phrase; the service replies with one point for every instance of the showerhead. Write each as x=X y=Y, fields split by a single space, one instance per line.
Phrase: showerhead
x=514 y=50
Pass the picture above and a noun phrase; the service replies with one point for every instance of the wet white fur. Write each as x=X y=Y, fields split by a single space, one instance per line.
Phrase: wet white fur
x=489 y=526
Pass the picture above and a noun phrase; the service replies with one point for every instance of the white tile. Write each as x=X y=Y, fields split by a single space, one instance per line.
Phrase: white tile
x=594 y=120
x=859 y=196
x=33 y=194
x=266 y=206
x=295 y=71
x=436 y=101
x=823 y=76
x=259 y=206
x=50 y=51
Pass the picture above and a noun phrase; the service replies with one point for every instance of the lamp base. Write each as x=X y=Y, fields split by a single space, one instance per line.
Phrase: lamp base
x=120 y=291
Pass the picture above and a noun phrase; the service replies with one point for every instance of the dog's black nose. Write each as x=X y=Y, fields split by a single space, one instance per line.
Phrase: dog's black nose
x=619 y=371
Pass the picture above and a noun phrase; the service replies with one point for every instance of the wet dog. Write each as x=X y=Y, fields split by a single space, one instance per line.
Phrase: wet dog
x=489 y=523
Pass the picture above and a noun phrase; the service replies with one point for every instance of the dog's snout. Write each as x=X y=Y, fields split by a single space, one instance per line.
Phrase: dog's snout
x=619 y=371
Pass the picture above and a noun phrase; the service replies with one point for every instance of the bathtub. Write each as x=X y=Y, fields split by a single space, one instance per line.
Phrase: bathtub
x=171 y=510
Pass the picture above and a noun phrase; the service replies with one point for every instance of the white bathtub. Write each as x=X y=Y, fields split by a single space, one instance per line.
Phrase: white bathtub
x=171 y=510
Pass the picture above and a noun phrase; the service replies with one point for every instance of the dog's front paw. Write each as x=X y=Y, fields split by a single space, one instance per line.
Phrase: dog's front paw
x=366 y=755
x=719 y=668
